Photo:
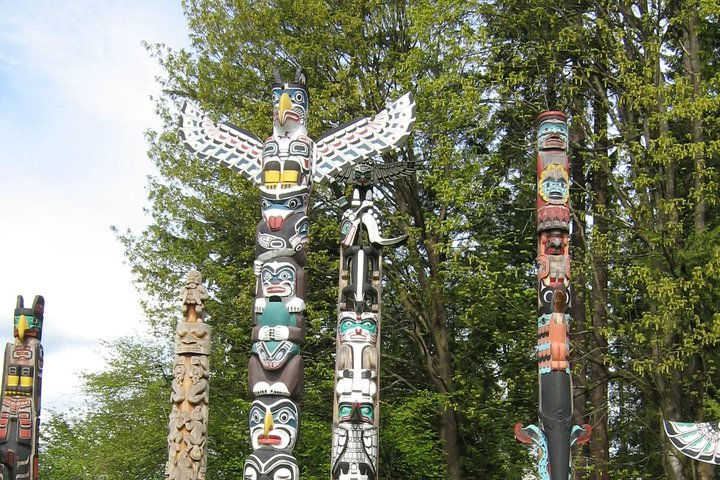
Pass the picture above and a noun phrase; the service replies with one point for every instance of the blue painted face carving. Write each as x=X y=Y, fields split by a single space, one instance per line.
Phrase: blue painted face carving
x=554 y=186
x=278 y=279
x=552 y=134
x=358 y=328
x=274 y=423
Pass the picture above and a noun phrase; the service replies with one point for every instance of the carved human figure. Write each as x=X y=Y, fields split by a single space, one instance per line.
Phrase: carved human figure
x=193 y=295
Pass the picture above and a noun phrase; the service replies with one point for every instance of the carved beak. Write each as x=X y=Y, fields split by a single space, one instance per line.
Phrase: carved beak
x=269 y=425
x=21 y=327
x=285 y=106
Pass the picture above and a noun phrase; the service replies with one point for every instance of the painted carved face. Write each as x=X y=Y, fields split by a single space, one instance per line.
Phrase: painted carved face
x=362 y=175
x=269 y=464
x=357 y=327
x=276 y=211
x=294 y=234
x=274 y=422
x=552 y=134
x=278 y=279
x=554 y=185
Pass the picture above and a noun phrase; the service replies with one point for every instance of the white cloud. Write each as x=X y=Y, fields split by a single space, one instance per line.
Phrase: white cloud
x=74 y=103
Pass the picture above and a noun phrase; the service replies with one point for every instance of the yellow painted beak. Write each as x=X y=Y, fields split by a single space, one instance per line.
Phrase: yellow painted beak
x=285 y=105
x=269 y=425
x=21 y=327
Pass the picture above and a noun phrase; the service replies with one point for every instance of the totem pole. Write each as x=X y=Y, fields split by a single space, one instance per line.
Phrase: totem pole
x=700 y=441
x=284 y=167
x=22 y=378
x=556 y=434
x=187 y=437
x=356 y=407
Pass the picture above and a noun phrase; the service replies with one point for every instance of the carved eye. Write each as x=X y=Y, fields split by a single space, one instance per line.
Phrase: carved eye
x=284 y=416
x=256 y=416
x=283 y=474
x=267 y=276
x=285 y=275
x=293 y=203
x=299 y=148
x=299 y=97
x=264 y=204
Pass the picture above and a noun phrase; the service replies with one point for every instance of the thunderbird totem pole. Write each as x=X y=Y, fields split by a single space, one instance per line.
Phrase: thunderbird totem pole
x=284 y=167
x=187 y=437
x=356 y=406
x=20 y=411
x=556 y=434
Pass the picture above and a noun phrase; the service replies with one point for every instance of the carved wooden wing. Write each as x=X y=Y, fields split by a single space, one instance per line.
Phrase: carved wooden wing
x=381 y=172
x=364 y=137
x=700 y=441
x=222 y=142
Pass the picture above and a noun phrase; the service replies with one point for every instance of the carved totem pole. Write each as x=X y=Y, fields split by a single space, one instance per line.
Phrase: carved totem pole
x=356 y=407
x=556 y=434
x=22 y=378
x=187 y=437
x=284 y=167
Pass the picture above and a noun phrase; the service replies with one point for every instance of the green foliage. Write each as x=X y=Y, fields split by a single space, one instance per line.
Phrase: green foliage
x=121 y=430
x=459 y=301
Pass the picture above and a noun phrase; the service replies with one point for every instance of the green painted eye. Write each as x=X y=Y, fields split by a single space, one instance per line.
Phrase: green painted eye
x=370 y=326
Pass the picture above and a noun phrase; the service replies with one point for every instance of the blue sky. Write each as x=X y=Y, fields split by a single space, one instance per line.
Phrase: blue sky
x=75 y=84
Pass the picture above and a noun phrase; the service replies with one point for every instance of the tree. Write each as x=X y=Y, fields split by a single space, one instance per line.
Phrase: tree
x=121 y=431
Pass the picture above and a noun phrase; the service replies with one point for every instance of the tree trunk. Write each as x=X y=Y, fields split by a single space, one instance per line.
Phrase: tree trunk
x=691 y=62
x=430 y=332
x=599 y=443
x=578 y=330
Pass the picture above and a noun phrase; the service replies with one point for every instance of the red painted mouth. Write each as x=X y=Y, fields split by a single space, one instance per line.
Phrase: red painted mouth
x=269 y=440
x=275 y=223
x=275 y=290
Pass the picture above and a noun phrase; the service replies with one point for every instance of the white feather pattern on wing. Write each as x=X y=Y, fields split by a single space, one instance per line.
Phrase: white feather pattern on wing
x=700 y=441
x=364 y=137
x=222 y=142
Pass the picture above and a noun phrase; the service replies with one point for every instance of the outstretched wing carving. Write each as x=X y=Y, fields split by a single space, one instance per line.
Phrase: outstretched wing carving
x=364 y=137
x=381 y=172
x=700 y=441
x=222 y=142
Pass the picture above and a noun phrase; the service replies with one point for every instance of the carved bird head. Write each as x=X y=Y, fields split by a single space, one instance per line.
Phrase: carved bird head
x=290 y=105
x=28 y=322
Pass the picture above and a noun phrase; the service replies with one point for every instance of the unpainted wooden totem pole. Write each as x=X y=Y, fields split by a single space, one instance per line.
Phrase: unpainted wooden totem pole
x=21 y=382
x=284 y=168
x=187 y=437
x=556 y=434
x=357 y=371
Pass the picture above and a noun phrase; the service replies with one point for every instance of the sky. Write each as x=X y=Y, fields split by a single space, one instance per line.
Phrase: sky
x=75 y=87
